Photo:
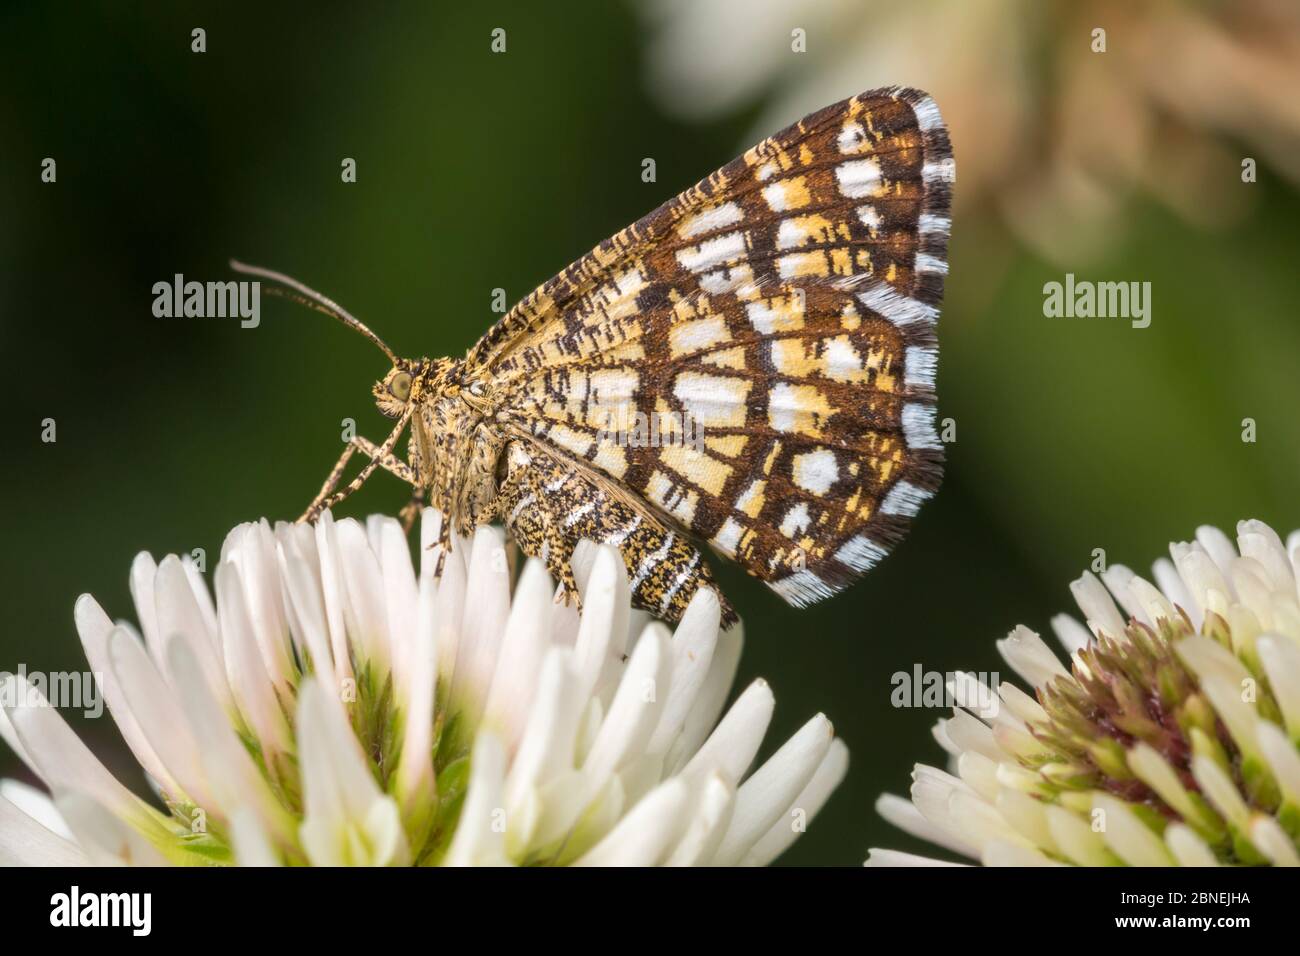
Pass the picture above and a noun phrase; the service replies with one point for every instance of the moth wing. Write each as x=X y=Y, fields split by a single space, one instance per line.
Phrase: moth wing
x=756 y=358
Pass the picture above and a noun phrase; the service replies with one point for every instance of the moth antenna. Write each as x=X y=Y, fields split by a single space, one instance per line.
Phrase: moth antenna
x=313 y=300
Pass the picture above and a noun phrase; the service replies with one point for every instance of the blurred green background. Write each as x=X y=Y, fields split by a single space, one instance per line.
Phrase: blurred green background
x=478 y=171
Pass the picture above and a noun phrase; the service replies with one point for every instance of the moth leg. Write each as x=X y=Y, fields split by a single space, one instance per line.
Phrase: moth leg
x=389 y=462
x=426 y=495
x=410 y=512
x=318 y=503
x=328 y=497
x=563 y=569
x=442 y=501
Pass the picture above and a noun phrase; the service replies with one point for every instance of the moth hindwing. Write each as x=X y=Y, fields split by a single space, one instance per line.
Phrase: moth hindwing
x=751 y=365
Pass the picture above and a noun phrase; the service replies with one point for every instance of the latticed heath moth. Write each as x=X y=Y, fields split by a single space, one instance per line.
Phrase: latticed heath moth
x=782 y=313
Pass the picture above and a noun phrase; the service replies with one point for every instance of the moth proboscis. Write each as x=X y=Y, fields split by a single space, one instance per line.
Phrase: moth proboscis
x=783 y=311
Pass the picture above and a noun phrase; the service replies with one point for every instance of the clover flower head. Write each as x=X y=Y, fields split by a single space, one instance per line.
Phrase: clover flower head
x=1173 y=738
x=336 y=705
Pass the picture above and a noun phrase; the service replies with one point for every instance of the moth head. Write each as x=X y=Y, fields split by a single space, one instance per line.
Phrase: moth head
x=398 y=387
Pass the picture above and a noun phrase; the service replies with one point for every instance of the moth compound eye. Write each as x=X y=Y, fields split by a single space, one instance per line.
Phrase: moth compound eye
x=476 y=389
x=400 y=386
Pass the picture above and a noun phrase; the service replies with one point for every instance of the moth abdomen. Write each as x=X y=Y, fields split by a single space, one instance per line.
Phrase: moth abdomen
x=548 y=505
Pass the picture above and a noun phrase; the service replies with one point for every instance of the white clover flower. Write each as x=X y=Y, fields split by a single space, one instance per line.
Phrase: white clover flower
x=333 y=706
x=1174 y=738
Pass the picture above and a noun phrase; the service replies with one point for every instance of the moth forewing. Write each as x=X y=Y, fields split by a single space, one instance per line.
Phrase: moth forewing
x=786 y=305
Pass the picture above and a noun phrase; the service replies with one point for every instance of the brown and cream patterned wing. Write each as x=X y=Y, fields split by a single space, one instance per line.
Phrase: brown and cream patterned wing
x=777 y=322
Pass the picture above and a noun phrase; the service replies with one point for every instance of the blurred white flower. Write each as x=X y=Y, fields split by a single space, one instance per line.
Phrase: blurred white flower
x=335 y=707
x=1051 y=136
x=1174 y=739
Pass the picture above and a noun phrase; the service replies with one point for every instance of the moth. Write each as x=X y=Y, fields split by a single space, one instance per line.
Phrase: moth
x=785 y=307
